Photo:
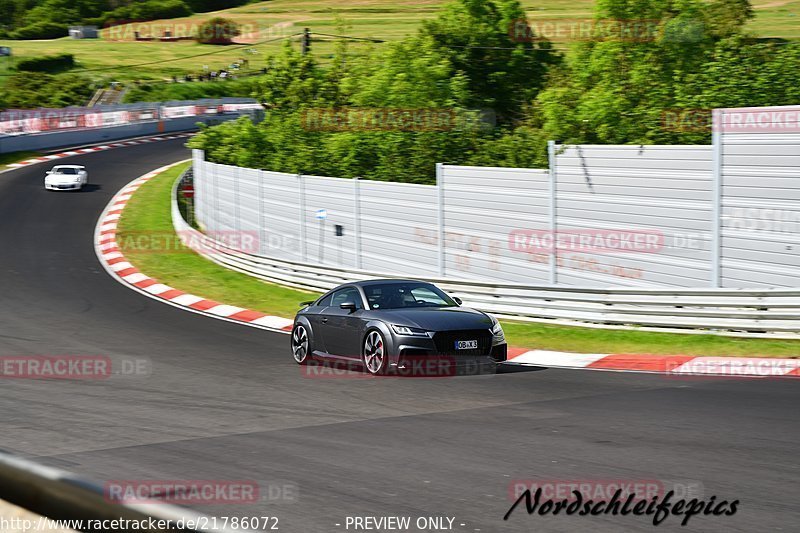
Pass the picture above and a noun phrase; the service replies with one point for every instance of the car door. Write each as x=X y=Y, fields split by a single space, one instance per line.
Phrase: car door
x=315 y=315
x=341 y=328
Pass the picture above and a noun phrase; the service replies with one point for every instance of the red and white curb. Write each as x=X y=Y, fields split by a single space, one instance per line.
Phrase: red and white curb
x=100 y=148
x=120 y=269
x=681 y=365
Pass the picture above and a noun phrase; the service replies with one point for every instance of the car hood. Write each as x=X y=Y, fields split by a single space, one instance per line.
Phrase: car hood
x=438 y=318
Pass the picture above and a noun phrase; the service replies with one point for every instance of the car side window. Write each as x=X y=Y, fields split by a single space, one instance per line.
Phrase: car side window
x=325 y=302
x=348 y=294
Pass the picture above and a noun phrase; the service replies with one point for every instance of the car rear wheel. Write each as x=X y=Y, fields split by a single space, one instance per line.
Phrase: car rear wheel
x=300 y=345
x=375 y=358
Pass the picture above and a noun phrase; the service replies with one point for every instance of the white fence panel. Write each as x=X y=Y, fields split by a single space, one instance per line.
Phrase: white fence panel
x=661 y=193
x=279 y=198
x=760 y=234
x=334 y=196
x=483 y=207
x=399 y=227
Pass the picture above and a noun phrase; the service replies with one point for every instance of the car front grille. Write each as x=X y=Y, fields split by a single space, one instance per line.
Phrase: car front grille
x=445 y=341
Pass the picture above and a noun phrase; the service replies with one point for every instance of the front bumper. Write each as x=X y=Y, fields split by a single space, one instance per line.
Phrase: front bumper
x=420 y=355
x=62 y=186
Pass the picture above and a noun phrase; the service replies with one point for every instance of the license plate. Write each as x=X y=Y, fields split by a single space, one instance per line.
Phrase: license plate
x=466 y=345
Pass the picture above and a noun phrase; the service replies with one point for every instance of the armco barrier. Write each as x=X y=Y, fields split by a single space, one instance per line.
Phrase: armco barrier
x=735 y=312
x=60 y=495
x=44 y=129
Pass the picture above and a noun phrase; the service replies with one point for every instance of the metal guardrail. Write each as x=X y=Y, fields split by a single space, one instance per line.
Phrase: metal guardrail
x=60 y=495
x=773 y=313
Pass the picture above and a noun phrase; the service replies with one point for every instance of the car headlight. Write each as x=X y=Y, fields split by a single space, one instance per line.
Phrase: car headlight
x=77 y=180
x=497 y=329
x=409 y=331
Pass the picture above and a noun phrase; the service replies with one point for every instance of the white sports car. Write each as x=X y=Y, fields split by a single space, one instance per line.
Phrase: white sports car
x=65 y=177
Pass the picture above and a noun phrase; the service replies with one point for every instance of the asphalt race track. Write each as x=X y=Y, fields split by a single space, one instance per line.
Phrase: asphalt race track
x=225 y=401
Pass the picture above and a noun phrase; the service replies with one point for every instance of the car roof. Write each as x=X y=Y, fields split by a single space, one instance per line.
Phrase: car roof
x=68 y=166
x=369 y=282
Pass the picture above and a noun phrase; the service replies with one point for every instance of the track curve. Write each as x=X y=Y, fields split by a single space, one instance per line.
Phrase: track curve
x=224 y=401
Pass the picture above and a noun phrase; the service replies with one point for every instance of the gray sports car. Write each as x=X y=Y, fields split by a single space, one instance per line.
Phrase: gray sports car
x=395 y=324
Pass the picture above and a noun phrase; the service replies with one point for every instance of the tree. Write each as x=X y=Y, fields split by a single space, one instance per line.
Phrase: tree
x=217 y=30
x=616 y=90
x=502 y=73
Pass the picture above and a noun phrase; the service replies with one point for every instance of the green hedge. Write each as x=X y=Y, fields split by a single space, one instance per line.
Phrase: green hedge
x=47 y=63
x=149 y=10
x=40 y=30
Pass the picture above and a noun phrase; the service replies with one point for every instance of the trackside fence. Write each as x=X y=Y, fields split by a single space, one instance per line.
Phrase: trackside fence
x=42 y=129
x=720 y=216
x=737 y=312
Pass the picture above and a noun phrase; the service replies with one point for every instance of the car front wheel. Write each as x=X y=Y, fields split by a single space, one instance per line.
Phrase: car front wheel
x=375 y=358
x=300 y=345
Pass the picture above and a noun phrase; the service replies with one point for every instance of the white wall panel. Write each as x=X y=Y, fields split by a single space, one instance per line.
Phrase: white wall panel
x=760 y=235
x=664 y=191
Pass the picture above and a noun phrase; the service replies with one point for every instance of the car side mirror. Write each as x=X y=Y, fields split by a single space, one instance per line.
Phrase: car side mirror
x=350 y=306
x=49 y=171
x=457 y=300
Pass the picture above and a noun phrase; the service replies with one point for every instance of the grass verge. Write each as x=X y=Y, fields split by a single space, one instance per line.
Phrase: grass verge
x=15 y=157
x=148 y=211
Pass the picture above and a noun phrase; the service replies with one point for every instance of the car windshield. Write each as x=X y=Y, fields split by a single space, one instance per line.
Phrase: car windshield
x=67 y=170
x=406 y=294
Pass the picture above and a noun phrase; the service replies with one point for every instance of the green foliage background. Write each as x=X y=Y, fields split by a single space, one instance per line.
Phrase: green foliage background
x=50 y=19
x=604 y=90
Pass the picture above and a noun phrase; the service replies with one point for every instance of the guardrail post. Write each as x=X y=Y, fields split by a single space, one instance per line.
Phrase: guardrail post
x=716 y=195
x=236 y=200
x=301 y=188
x=215 y=226
x=263 y=246
x=551 y=157
x=357 y=215
x=198 y=173
x=440 y=195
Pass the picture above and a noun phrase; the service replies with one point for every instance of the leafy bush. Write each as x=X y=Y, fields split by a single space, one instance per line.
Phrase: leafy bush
x=149 y=10
x=162 y=92
x=41 y=30
x=217 y=30
x=50 y=19
x=53 y=63
x=27 y=90
x=204 y=6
